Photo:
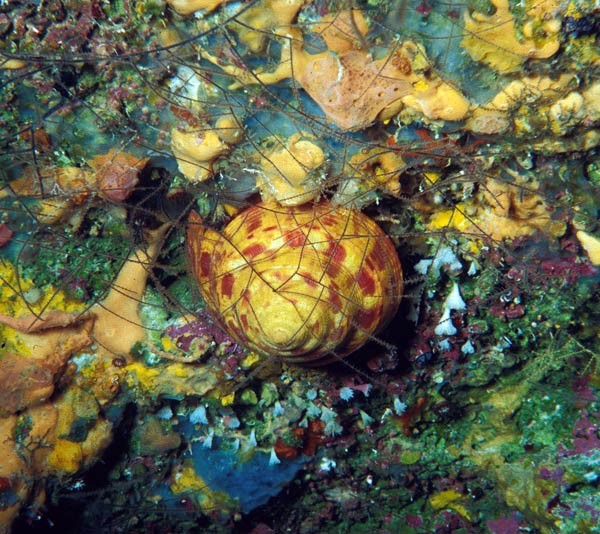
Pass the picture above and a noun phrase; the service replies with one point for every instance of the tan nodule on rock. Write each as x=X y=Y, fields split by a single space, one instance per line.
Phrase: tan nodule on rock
x=309 y=283
x=591 y=244
x=486 y=121
x=187 y=7
x=531 y=90
x=288 y=172
x=566 y=113
x=591 y=97
x=116 y=173
x=196 y=151
x=229 y=129
x=376 y=169
x=11 y=63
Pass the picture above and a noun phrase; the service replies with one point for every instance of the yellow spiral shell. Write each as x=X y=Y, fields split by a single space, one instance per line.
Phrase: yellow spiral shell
x=309 y=283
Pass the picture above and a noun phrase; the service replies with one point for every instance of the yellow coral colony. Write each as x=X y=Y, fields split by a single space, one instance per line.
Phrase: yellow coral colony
x=546 y=113
x=503 y=210
x=35 y=415
x=196 y=150
x=288 y=171
x=530 y=99
x=118 y=322
x=496 y=41
x=256 y=24
x=57 y=190
x=33 y=329
x=351 y=87
x=39 y=450
x=377 y=169
x=591 y=244
x=39 y=346
x=197 y=147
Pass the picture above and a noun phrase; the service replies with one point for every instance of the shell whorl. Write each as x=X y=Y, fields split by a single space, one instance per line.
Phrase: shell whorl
x=309 y=283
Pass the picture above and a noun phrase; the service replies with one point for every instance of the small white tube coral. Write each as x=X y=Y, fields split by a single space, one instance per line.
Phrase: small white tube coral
x=273 y=460
x=198 y=416
x=445 y=326
x=454 y=301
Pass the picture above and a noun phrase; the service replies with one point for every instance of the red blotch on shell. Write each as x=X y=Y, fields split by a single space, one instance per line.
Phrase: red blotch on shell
x=332 y=269
x=376 y=262
x=204 y=264
x=227 y=285
x=336 y=251
x=367 y=318
x=366 y=283
x=329 y=220
x=295 y=238
x=335 y=300
x=253 y=221
x=336 y=334
x=309 y=279
x=253 y=250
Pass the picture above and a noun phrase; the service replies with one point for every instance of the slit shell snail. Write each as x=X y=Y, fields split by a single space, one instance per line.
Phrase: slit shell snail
x=309 y=283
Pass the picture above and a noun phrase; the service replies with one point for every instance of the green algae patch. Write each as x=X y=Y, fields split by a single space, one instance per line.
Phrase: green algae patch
x=409 y=457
